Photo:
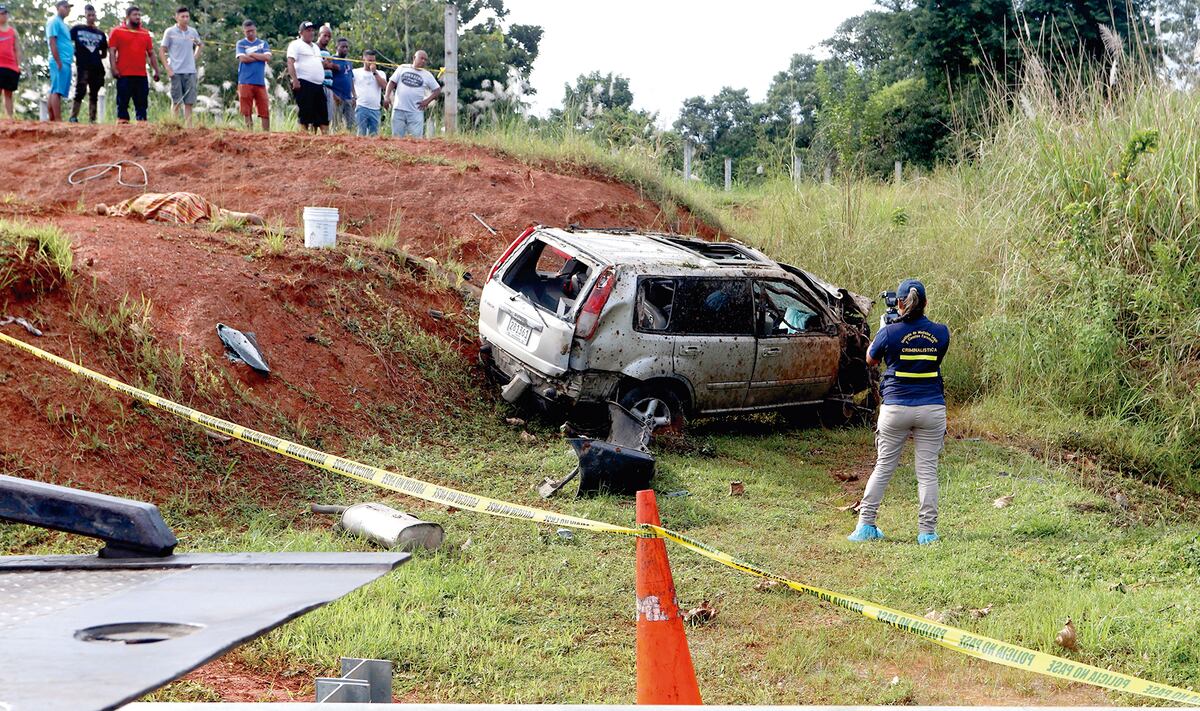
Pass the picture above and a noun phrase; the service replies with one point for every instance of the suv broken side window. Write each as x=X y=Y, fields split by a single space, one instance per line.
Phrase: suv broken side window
x=712 y=307
x=550 y=277
x=783 y=311
x=655 y=301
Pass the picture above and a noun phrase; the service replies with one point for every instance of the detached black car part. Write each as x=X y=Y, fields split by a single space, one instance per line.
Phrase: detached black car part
x=620 y=464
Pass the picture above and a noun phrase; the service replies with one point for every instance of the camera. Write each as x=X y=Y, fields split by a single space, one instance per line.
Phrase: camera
x=892 y=314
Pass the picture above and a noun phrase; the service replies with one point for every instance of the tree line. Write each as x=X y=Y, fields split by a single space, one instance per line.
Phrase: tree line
x=901 y=82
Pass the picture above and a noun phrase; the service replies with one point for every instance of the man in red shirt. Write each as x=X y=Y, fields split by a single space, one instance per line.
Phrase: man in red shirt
x=130 y=46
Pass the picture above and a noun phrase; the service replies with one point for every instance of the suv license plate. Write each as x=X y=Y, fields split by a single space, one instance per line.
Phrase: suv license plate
x=519 y=332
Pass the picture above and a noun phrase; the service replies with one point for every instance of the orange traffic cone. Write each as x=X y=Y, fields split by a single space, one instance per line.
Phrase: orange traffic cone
x=664 y=665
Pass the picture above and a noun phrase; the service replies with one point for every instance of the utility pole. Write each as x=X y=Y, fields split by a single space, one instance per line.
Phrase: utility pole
x=728 y=174
x=687 y=160
x=450 y=89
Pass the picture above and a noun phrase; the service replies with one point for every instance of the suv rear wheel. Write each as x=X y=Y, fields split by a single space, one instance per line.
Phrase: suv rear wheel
x=655 y=403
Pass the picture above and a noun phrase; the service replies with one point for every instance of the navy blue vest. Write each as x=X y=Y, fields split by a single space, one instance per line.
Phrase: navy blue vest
x=913 y=355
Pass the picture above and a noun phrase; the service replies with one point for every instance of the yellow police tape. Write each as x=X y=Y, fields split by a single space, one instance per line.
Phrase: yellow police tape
x=439 y=71
x=973 y=645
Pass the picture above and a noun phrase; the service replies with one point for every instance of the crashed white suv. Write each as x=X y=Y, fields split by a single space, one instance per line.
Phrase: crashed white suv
x=670 y=326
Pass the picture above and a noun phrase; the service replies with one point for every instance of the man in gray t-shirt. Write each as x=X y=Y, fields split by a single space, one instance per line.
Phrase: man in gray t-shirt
x=179 y=49
x=406 y=95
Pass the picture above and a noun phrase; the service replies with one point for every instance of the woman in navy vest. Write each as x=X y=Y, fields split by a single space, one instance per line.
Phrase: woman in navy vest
x=914 y=405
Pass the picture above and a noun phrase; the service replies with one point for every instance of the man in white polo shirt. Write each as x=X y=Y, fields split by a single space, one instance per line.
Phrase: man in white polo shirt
x=307 y=71
x=406 y=95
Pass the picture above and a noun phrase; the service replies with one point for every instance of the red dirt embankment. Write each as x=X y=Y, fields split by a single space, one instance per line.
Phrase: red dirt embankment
x=175 y=284
x=143 y=294
x=310 y=310
x=426 y=191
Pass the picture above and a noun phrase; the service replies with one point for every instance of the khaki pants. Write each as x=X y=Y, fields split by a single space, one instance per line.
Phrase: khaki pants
x=927 y=425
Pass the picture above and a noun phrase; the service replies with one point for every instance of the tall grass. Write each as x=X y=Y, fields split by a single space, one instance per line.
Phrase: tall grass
x=867 y=237
x=1098 y=315
x=560 y=146
x=1064 y=257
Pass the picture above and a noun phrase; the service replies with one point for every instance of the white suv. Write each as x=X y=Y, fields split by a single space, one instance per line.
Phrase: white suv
x=668 y=326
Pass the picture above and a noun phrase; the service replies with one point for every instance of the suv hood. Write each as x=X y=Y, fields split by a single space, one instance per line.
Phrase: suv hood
x=836 y=293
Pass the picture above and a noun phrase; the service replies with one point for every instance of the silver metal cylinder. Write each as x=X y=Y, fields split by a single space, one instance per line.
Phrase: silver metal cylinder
x=391 y=528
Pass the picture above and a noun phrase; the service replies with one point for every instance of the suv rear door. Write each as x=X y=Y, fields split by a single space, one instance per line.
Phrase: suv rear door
x=798 y=347
x=529 y=308
x=713 y=323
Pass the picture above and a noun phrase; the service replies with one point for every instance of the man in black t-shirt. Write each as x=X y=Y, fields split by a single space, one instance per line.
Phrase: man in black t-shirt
x=91 y=48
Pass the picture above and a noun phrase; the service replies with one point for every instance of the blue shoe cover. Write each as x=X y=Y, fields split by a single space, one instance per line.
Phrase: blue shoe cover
x=865 y=533
x=925 y=539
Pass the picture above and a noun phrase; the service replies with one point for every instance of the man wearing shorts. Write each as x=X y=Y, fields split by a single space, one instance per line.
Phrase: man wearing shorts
x=253 y=54
x=306 y=70
x=10 y=60
x=180 y=47
x=91 y=47
x=130 y=46
x=62 y=55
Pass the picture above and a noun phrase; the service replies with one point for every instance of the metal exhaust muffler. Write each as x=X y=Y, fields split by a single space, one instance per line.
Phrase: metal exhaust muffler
x=386 y=526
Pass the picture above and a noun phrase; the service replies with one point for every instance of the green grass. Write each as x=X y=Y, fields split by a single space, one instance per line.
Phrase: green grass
x=33 y=258
x=511 y=612
x=398 y=156
x=275 y=240
x=1050 y=351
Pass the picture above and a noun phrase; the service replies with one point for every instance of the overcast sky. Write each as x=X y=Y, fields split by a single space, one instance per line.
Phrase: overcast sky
x=674 y=49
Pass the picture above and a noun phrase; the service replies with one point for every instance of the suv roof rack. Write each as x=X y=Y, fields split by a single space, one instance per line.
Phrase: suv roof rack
x=576 y=227
x=716 y=251
x=726 y=253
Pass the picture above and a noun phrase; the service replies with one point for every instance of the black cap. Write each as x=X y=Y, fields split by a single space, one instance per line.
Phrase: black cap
x=306 y=25
x=61 y=3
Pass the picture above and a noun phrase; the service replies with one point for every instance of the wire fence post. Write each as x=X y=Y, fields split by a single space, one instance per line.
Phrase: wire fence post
x=687 y=159
x=797 y=170
x=450 y=90
x=899 y=172
x=828 y=175
x=728 y=174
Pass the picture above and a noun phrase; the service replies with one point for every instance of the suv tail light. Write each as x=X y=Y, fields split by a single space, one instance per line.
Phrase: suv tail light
x=589 y=318
x=508 y=252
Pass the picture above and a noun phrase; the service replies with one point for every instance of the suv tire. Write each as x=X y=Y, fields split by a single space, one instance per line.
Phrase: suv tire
x=656 y=402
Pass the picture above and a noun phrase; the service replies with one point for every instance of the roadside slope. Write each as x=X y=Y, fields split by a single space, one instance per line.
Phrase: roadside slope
x=422 y=193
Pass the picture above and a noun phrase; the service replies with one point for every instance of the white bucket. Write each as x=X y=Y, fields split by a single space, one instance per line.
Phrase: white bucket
x=320 y=227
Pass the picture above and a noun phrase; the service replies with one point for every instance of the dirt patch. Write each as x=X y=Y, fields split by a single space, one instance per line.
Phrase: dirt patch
x=163 y=289
x=236 y=682
x=424 y=192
